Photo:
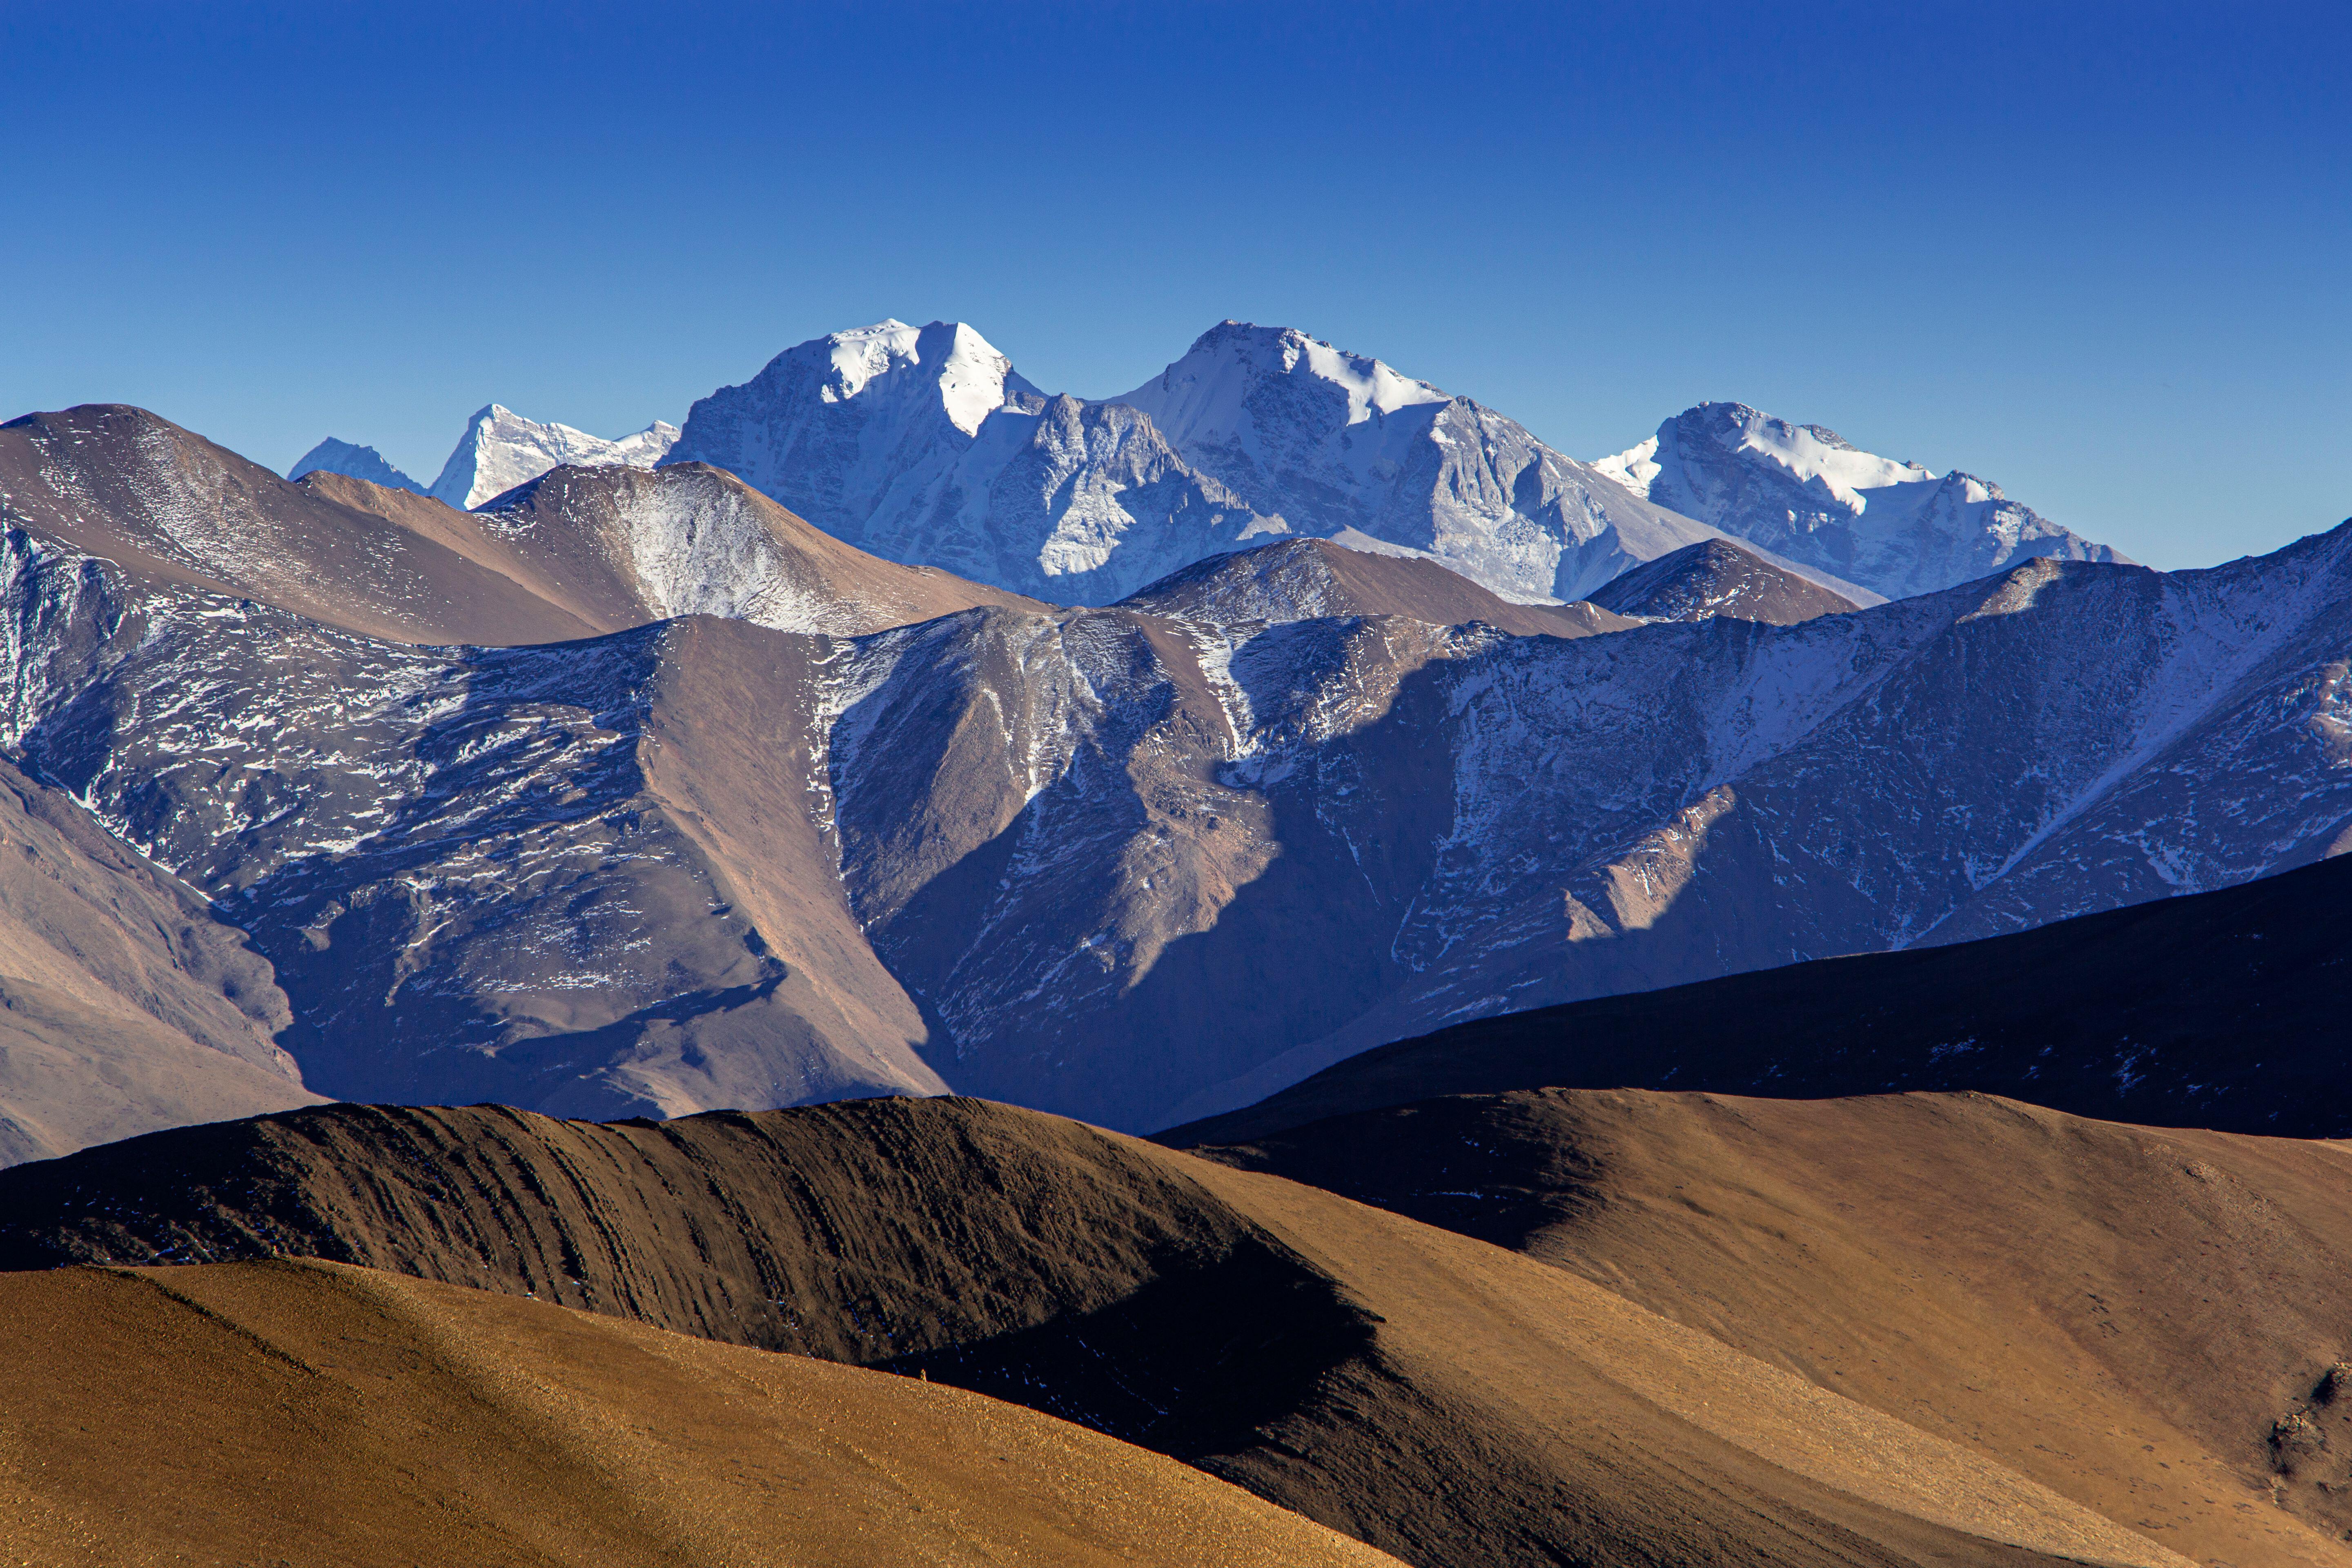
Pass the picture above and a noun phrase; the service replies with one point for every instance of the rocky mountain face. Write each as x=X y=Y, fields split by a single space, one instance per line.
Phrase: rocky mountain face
x=501 y=449
x=1314 y=579
x=333 y=456
x=576 y=552
x=1339 y=445
x=925 y=445
x=1809 y=496
x=1716 y=577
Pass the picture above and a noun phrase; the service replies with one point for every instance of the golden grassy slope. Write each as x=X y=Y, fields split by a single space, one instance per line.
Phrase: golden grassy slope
x=311 y=1413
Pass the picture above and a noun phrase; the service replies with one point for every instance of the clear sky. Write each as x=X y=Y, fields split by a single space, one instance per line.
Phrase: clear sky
x=2101 y=255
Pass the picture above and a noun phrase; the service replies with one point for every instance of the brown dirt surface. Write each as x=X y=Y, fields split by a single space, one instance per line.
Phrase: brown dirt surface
x=1431 y=1395
x=2151 y=1322
x=124 y=1005
x=173 y=509
x=307 y=1412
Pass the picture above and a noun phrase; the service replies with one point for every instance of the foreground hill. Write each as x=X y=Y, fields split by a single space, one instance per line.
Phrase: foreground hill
x=1426 y=1393
x=2220 y=1009
x=307 y=1412
x=2151 y=1322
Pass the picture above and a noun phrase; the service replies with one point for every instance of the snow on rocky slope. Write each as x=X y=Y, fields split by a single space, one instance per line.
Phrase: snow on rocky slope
x=1807 y=494
x=576 y=551
x=333 y=456
x=1716 y=577
x=924 y=444
x=501 y=449
x=1341 y=445
x=585 y=877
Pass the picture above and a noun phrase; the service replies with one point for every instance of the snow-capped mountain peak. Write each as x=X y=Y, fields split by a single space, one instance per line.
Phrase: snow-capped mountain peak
x=334 y=456
x=971 y=377
x=501 y=449
x=1207 y=396
x=1808 y=494
x=922 y=444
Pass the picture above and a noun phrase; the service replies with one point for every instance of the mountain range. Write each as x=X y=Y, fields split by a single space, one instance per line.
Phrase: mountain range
x=753 y=817
x=1811 y=496
x=499 y=450
x=924 y=446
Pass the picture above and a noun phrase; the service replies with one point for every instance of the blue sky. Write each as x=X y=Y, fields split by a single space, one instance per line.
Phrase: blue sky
x=2098 y=254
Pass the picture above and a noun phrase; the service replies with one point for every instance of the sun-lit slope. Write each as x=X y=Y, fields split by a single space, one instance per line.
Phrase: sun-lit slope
x=1433 y=1394
x=314 y=1413
x=173 y=512
x=2146 y=1320
x=616 y=547
x=124 y=1005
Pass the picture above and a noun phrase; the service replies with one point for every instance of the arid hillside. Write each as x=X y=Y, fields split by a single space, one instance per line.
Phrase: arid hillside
x=2150 y=1321
x=1429 y=1394
x=312 y=1412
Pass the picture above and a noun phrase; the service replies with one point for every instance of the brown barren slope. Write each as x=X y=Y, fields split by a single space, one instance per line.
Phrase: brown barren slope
x=313 y=1413
x=125 y=1007
x=617 y=547
x=1429 y=1394
x=172 y=508
x=578 y=553
x=2153 y=1323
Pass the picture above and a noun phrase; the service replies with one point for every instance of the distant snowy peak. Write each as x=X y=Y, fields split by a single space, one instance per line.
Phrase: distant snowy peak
x=1339 y=445
x=1217 y=393
x=1809 y=494
x=923 y=445
x=334 y=456
x=970 y=378
x=501 y=449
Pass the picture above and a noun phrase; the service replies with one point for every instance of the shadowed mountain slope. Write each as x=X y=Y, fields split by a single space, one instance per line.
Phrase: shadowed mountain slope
x=157 y=1414
x=2151 y=1322
x=1426 y=1393
x=1716 y=577
x=2219 y=1009
x=1307 y=579
x=124 y=1005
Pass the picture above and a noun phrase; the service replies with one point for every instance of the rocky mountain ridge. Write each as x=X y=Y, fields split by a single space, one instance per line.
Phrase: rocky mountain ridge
x=924 y=444
x=1812 y=497
x=499 y=452
x=1137 y=863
